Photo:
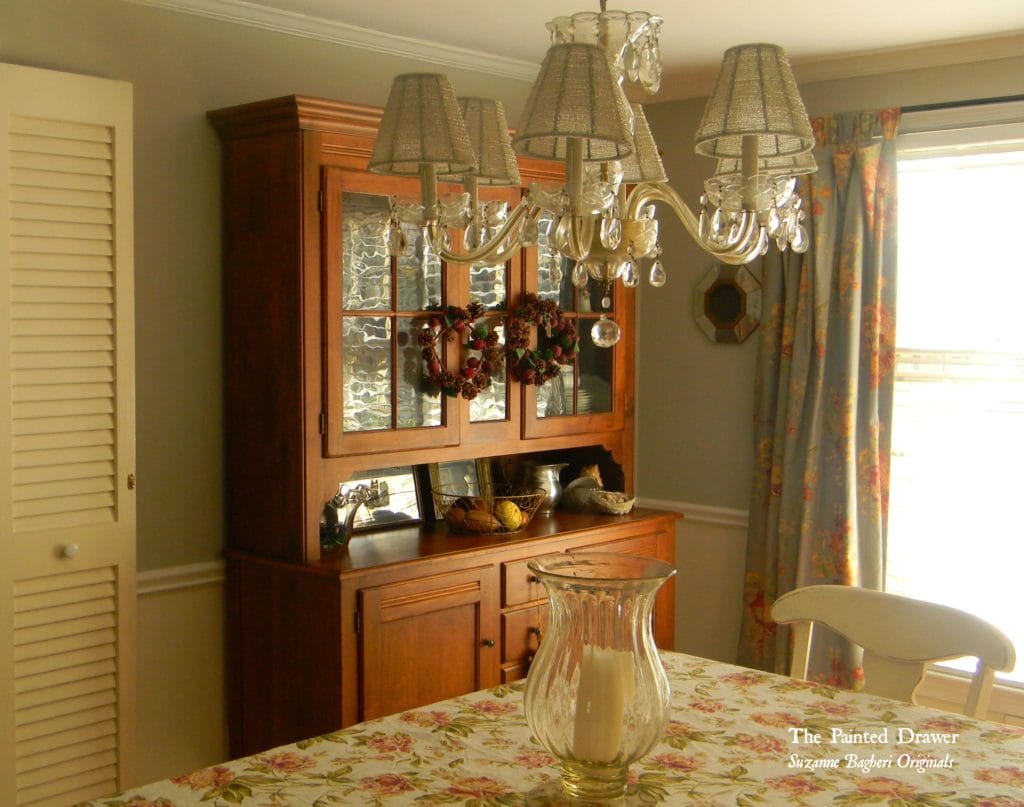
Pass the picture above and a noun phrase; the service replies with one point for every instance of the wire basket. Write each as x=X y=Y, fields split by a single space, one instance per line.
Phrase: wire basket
x=498 y=509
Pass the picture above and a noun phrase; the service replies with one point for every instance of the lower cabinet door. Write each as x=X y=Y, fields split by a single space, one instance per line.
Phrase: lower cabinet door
x=428 y=639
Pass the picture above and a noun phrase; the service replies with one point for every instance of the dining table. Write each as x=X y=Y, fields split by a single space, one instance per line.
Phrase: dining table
x=735 y=736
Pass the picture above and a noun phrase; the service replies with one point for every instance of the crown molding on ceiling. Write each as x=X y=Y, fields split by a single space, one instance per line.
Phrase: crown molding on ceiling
x=871 y=63
x=913 y=57
x=676 y=84
x=243 y=13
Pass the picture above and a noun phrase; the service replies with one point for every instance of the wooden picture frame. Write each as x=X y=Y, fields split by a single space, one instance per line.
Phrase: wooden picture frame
x=727 y=304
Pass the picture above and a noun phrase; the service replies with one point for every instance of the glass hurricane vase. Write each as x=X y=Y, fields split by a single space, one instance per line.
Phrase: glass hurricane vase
x=597 y=696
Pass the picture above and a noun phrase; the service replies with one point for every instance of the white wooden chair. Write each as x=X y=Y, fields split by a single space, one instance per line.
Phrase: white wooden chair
x=900 y=637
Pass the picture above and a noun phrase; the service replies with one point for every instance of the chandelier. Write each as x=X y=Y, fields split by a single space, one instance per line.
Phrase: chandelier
x=603 y=217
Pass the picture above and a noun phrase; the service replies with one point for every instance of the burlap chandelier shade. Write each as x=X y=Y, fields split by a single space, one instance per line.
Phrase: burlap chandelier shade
x=575 y=96
x=755 y=94
x=422 y=125
x=791 y=166
x=644 y=164
x=488 y=135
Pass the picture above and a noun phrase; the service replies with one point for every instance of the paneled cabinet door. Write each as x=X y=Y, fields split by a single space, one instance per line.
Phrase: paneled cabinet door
x=427 y=639
x=592 y=393
x=67 y=438
x=377 y=396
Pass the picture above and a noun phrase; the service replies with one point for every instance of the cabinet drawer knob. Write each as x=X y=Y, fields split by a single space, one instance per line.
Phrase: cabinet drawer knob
x=70 y=551
x=533 y=579
x=488 y=642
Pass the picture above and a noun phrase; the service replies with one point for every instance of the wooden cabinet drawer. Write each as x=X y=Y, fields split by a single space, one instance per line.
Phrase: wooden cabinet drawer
x=640 y=545
x=519 y=585
x=515 y=671
x=521 y=632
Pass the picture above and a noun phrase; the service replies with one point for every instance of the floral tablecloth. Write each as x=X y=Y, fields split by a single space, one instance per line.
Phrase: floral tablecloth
x=737 y=737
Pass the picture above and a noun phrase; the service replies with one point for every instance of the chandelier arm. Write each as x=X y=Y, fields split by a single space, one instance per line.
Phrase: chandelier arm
x=748 y=246
x=491 y=249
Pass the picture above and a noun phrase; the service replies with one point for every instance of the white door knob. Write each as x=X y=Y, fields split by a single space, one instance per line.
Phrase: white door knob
x=70 y=551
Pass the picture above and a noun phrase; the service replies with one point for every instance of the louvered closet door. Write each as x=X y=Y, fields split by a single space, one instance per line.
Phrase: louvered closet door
x=67 y=446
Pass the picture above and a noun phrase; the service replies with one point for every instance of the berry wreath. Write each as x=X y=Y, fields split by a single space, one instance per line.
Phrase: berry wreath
x=538 y=366
x=475 y=374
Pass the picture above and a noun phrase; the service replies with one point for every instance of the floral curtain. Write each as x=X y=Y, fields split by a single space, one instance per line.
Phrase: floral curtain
x=823 y=393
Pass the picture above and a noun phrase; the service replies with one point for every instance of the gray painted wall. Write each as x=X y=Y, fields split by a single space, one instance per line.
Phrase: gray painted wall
x=182 y=66
x=694 y=397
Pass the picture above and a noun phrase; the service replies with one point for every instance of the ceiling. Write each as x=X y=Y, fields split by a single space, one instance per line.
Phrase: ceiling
x=508 y=38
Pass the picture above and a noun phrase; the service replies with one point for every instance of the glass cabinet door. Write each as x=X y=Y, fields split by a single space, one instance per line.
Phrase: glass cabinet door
x=378 y=397
x=494 y=413
x=589 y=394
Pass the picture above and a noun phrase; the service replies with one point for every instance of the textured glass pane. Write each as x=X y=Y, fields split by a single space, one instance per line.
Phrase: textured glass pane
x=366 y=373
x=554 y=398
x=419 y=273
x=491 y=403
x=554 y=273
x=487 y=285
x=419 y=401
x=595 y=363
x=366 y=267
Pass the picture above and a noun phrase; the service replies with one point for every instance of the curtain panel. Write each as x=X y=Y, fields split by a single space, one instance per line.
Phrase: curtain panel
x=823 y=393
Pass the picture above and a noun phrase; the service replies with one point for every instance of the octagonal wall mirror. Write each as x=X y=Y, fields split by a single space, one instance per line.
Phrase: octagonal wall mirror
x=727 y=304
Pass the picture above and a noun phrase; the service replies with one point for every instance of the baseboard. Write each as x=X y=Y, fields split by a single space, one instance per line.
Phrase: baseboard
x=178 y=578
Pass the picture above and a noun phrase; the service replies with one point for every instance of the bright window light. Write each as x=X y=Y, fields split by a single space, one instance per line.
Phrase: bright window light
x=956 y=524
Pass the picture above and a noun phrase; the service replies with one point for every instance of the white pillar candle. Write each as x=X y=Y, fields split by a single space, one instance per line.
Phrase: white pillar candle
x=606 y=685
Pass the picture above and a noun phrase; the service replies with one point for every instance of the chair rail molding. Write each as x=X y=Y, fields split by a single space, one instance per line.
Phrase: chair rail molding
x=700 y=513
x=178 y=578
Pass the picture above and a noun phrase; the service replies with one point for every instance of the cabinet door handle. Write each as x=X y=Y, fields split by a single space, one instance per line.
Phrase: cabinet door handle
x=488 y=642
x=536 y=631
x=70 y=551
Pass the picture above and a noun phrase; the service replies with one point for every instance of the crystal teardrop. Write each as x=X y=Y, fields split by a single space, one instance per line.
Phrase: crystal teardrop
x=717 y=222
x=611 y=232
x=630 y=276
x=441 y=241
x=396 y=239
x=580 y=275
x=595 y=268
x=530 y=233
x=657 y=276
x=798 y=241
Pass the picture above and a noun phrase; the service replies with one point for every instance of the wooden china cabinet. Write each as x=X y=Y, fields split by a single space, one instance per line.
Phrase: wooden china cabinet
x=324 y=381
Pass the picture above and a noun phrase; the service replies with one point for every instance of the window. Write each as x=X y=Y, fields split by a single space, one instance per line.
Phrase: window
x=956 y=521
